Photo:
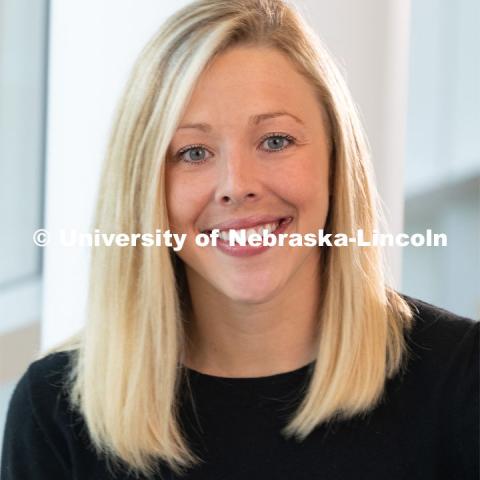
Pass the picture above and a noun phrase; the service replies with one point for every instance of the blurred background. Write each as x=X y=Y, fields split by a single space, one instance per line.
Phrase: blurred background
x=414 y=71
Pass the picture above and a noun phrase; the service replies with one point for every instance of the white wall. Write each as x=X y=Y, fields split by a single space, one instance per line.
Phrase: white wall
x=92 y=47
x=442 y=170
x=22 y=83
x=370 y=39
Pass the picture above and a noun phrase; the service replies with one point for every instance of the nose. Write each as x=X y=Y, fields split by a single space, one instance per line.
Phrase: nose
x=238 y=179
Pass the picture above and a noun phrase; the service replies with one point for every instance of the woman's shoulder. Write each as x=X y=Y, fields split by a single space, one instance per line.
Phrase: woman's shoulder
x=443 y=348
x=51 y=367
x=442 y=367
x=42 y=392
x=442 y=381
x=37 y=435
x=45 y=381
x=438 y=330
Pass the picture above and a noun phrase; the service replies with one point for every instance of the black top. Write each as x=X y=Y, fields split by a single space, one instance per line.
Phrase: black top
x=426 y=427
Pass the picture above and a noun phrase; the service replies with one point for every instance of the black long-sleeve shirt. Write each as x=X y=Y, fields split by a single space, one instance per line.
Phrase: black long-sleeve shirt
x=426 y=427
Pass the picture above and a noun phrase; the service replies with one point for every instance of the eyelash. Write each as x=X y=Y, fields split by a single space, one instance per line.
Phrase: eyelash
x=292 y=140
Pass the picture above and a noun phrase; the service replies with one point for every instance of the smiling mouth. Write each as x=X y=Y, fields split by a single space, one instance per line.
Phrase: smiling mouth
x=270 y=227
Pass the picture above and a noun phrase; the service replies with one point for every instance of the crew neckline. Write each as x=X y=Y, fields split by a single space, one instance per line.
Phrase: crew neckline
x=270 y=391
x=265 y=378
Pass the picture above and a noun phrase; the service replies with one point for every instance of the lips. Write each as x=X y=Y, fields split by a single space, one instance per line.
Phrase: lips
x=248 y=222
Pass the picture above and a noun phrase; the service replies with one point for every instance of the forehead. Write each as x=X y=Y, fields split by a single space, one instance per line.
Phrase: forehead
x=251 y=78
x=244 y=65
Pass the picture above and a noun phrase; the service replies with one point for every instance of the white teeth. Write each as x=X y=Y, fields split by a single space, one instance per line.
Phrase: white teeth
x=268 y=228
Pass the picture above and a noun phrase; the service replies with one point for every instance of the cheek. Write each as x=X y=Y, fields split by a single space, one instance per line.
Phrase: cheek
x=305 y=182
x=185 y=197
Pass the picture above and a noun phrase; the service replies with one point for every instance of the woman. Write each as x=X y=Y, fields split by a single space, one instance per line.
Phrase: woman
x=245 y=362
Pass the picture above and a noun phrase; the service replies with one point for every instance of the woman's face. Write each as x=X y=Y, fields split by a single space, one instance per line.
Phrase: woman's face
x=234 y=172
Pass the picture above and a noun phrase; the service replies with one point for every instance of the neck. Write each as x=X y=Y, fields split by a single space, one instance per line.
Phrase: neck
x=231 y=339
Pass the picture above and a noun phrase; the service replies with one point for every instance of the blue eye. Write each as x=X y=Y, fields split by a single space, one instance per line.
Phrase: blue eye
x=277 y=142
x=194 y=154
x=197 y=154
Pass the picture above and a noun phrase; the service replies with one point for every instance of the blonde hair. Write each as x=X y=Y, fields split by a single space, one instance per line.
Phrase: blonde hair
x=127 y=360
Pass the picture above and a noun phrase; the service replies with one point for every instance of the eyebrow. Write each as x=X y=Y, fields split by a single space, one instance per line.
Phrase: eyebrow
x=253 y=120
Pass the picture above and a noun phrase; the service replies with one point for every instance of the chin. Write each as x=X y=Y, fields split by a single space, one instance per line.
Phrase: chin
x=250 y=292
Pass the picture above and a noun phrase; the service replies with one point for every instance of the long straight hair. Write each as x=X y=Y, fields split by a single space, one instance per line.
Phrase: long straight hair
x=127 y=361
